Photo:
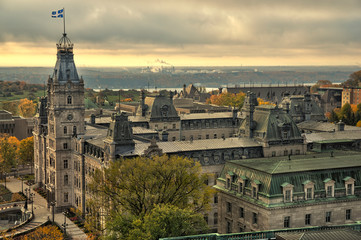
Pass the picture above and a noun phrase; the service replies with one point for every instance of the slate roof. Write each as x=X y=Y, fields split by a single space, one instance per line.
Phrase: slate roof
x=323 y=126
x=273 y=172
x=215 y=115
x=340 y=136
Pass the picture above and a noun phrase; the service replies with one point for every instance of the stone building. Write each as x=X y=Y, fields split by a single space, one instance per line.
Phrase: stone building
x=15 y=126
x=282 y=192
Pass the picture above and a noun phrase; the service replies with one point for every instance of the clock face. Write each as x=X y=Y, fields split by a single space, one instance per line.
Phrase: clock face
x=70 y=117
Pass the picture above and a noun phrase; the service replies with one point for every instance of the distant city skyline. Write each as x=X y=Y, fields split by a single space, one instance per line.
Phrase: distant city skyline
x=115 y=33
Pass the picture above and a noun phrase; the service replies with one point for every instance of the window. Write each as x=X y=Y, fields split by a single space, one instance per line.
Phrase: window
x=215 y=218
x=328 y=217
x=286 y=222
x=229 y=207
x=241 y=212
x=215 y=135
x=241 y=187
x=254 y=218
x=348 y=214
x=309 y=193
x=329 y=191
x=349 y=189
x=308 y=219
x=288 y=195
x=65 y=145
x=174 y=126
x=284 y=134
x=66 y=179
x=215 y=199
x=74 y=129
x=65 y=163
x=273 y=154
x=229 y=227
x=66 y=197
x=207 y=136
x=173 y=139
x=228 y=183
x=65 y=130
x=254 y=192
x=199 y=137
x=69 y=99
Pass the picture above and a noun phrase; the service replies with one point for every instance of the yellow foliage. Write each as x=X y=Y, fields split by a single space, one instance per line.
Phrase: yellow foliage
x=26 y=108
x=49 y=232
x=358 y=124
x=227 y=99
x=263 y=102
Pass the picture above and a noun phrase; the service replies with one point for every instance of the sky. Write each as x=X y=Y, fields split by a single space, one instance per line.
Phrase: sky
x=115 y=33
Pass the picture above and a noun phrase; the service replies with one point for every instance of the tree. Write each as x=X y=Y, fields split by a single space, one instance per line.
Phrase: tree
x=26 y=151
x=163 y=221
x=354 y=80
x=133 y=187
x=345 y=114
x=26 y=108
x=333 y=117
x=49 y=232
x=10 y=106
x=228 y=99
x=8 y=149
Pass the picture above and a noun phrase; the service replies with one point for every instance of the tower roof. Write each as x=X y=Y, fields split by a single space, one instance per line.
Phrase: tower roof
x=65 y=69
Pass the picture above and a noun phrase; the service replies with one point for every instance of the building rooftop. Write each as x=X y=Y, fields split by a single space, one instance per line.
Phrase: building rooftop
x=215 y=115
x=323 y=126
x=302 y=163
x=340 y=136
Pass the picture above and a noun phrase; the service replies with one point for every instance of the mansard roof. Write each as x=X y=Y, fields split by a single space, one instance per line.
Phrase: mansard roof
x=273 y=172
x=65 y=69
x=271 y=121
x=158 y=108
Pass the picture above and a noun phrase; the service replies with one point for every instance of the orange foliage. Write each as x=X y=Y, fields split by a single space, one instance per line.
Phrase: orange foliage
x=358 y=124
x=227 y=99
x=354 y=108
x=49 y=232
x=26 y=108
x=263 y=102
x=127 y=100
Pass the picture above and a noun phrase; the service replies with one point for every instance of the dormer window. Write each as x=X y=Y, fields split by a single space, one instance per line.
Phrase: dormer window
x=349 y=186
x=309 y=189
x=241 y=184
x=255 y=188
x=287 y=192
x=230 y=178
x=69 y=100
x=329 y=187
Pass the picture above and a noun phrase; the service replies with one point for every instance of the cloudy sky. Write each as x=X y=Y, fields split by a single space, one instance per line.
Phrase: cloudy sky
x=183 y=32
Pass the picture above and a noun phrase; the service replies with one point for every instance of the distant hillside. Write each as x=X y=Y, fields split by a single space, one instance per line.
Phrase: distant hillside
x=135 y=78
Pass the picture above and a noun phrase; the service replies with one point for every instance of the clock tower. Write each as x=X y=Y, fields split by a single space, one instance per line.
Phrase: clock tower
x=65 y=100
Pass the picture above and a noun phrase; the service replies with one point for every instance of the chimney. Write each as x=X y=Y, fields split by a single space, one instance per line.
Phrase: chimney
x=250 y=102
x=340 y=126
x=171 y=94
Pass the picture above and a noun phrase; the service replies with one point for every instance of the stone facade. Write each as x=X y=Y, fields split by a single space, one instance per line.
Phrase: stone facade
x=15 y=126
x=257 y=195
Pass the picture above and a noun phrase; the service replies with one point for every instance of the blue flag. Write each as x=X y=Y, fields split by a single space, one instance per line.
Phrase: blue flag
x=58 y=14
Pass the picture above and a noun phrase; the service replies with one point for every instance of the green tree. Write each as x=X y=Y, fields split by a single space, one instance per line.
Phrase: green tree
x=162 y=221
x=333 y=117
x=26 y=151
x=133 y=187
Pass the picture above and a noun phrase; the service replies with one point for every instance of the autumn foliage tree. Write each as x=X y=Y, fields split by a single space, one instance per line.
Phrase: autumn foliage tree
x=49 y=232
x=27 y=108
x=228 y=99
x=130 y=189
x=8 y=148
x=26 y=151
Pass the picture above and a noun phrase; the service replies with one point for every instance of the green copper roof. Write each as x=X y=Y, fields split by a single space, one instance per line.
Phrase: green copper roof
x=274 y=172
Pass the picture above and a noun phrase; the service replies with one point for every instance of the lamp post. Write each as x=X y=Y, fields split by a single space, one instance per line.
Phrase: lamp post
x=32 y=195
x=64 y=224
x=52 y=204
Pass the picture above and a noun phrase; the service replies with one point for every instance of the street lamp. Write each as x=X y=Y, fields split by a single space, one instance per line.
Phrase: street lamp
x=32 y=195
x=52 y=204
x=64 y=224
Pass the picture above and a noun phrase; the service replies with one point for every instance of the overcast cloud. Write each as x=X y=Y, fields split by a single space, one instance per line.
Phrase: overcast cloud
x=261 y=29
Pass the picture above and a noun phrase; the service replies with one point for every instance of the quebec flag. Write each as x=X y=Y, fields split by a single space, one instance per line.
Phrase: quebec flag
x=58 y=14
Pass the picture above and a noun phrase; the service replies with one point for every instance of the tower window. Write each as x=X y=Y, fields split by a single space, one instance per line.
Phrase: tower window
x=69 y=100
x=74 y=129
x=65 y=146
x=65 y=163
x=66 y=179
x=65 y=130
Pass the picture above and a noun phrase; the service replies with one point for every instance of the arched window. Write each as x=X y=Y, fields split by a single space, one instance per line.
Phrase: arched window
x=69 y=99
x=65 y=130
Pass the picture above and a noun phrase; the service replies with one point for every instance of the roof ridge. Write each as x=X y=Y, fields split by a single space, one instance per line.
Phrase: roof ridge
x=276 y=166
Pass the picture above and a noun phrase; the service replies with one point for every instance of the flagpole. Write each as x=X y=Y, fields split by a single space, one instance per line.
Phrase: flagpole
x=64 y=19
